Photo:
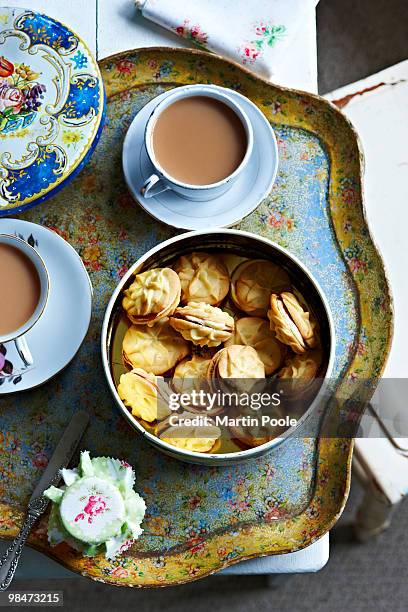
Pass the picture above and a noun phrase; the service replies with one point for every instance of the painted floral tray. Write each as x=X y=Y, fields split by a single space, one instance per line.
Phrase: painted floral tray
x=200 y=519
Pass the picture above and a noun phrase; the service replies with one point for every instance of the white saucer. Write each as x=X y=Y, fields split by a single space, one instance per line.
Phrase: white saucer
x=252 y=186
x=57 y=336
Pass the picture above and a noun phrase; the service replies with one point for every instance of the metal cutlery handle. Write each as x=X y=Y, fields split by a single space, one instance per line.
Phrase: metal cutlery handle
x=9 y=563
x=38 y=503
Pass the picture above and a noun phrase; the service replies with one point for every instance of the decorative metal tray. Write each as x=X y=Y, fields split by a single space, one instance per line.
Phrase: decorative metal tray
x=202 y=519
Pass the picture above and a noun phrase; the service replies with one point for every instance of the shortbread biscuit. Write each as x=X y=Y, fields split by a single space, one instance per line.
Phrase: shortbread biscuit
x=256 y=332
x=191 y=375
x=236 y=362
x=299 y=372
x=253 y=282
x=155 y=349
x=200 y=439
x=253 y=432
x=203 y=277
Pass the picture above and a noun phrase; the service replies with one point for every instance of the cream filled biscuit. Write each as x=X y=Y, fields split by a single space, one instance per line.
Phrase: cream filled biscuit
x=253 y=432
x=180 y=431
x=191 y=444
x=301 y=366
x=140 y=392
x=192 y=367
x=299 y=372
x=256 y=332
x=203 y=277
x=236 y=362
x=155 y=349
x=152 y=296
x=253 y=282
x=191 y=375
x=292 y=324
x=231 y=261
x=202 y=324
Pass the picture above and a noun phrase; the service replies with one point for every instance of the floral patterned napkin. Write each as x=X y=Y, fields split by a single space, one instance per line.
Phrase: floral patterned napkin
x=254 y=33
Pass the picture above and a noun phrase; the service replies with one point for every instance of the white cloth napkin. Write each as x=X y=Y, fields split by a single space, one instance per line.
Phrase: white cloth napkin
x=254 y=33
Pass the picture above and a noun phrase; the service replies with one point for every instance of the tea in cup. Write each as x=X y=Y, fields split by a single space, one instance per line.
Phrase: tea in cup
x=199 y=140
x=24 y=289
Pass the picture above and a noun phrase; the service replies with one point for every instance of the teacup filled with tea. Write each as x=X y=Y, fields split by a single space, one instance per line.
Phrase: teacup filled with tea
x=24 y=286
x=198 y=140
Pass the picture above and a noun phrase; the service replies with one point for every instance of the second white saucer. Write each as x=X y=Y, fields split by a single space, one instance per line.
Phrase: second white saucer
x=60 y=331
x=242 y=198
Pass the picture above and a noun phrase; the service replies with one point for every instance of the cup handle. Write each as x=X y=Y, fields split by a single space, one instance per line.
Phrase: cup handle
x=23 y=351
x=147 y=190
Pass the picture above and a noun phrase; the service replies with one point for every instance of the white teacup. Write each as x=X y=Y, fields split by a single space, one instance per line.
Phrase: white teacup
x=18 y=335
x=161 y=181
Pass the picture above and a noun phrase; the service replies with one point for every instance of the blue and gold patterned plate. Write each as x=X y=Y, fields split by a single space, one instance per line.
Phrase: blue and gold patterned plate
x=51 y=107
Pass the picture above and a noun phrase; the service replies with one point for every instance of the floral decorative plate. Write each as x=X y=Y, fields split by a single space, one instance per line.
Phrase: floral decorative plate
x=201 y=519
x=51 y=107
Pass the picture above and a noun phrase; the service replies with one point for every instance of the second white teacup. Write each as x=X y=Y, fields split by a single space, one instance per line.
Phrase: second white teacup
x=13 y=331
x=162 y=180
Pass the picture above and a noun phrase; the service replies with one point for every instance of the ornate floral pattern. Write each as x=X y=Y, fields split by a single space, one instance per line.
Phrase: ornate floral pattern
x=193 y=33
x=266 y=34
x=95 y=504
x=20 y=95
x=202 y=519
x=8 y=372
x=51 y=102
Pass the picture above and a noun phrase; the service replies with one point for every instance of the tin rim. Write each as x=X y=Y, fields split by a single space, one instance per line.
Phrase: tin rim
x=192 y=456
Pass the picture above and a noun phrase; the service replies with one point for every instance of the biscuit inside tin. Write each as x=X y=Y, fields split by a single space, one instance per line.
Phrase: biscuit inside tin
x=232 y=251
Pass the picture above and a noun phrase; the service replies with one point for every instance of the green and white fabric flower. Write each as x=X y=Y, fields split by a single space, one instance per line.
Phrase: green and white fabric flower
x=97 y=510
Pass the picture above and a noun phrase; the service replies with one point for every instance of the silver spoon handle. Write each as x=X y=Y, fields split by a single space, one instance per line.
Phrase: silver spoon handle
x=9 y=562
